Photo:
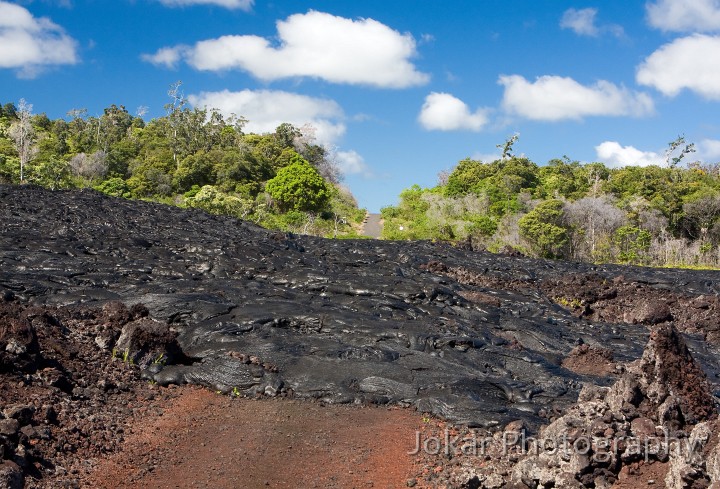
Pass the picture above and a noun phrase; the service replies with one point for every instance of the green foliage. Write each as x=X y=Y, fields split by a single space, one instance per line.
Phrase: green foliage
x=676 y=151
x=482 y=225
x=409 y=220
x=9 y=169
x=288 y=156
x=564 y=179
x=191 y=156
x=114 y=186
x=194 y=170
x=299 y=187
x=467 y=176
x=633 y=244
x=672 y=214
x=52 y=173
x=543 y=228
x=192 y=192
x=501 y=181
x=507 y=146
x=214 y=201
x=198 y=158
x=121 y=155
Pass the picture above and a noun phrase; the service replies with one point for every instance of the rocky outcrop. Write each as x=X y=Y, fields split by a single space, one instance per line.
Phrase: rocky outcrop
x=660 y=410
x=64 y=399
x=18 y=338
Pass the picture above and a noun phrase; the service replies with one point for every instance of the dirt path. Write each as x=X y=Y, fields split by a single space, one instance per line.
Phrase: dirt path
x=208 y=440
x=372 y=226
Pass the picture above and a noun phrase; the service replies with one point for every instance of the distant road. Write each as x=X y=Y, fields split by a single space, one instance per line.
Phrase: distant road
x=372 y=226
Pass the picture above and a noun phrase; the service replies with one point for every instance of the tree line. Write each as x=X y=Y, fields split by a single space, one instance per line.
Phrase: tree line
x=193 y=157
x=663 y=215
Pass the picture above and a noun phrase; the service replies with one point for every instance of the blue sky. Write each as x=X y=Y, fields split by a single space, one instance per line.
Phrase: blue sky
x=397 y=90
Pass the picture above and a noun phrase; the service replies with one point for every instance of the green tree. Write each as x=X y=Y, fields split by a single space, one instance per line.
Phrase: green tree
x=561 y=178
x=542 y=226
x=673 y=157
x=466 y=177
x=286 y=134
x=8 y=111
x=113 y=126
x=484 y=226
x=9 y=168
x=237 y=166
x=507 y=146
x=299 y=187
x=53 y=173
x=212 y=200
x=196 y=169
x=408 y=220
x=633 y=244
x=115 y=186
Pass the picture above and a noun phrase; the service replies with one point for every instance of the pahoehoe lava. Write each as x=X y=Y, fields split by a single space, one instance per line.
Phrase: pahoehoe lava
x=366 y=321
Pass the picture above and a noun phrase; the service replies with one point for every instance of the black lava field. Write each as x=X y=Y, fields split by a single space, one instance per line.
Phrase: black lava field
x=259 y=312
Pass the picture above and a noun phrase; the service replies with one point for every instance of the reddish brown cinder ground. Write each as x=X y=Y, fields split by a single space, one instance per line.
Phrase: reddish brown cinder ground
x=208 y=440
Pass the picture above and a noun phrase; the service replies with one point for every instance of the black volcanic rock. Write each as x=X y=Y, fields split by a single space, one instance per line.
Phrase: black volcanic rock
x=661 y=394
x=343 y=321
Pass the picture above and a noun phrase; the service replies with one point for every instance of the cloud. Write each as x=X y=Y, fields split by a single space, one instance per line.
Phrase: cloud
x=583 y=23
x=486 y=157
x=168 y=57
x=231 y=4
x=553 y=98
x=315 y=45
x=352 y=163
x=708 y=150
x=614 y=155
x=29 y=44
x=684 y=15
x=267 y=109
x=691 y=62
x=444 y=112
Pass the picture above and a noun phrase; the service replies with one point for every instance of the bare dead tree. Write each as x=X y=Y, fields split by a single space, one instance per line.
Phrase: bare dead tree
x=90 y=166
x=594 y=220
x=23 y=135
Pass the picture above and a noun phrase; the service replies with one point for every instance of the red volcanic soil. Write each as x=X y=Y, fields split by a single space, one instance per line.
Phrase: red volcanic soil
x=203 y=439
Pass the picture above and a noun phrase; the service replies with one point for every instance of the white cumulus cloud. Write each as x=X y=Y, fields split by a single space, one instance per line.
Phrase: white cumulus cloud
x=708 y=150
x=231 y=4
x=685 y=15
x=28 y=44
x=168 y=57
x=352 y=163
x=553 y=98
x=444 y=112
x=584 y=23
x=614 y=155
x=486 y=157
x=691 y=63
x=581 y=21
x=267 y=109
x=315 y=45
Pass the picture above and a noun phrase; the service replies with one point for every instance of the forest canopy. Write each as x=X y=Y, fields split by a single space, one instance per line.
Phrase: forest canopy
x=192 y=157
x=654 y=215
x=665 y=215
